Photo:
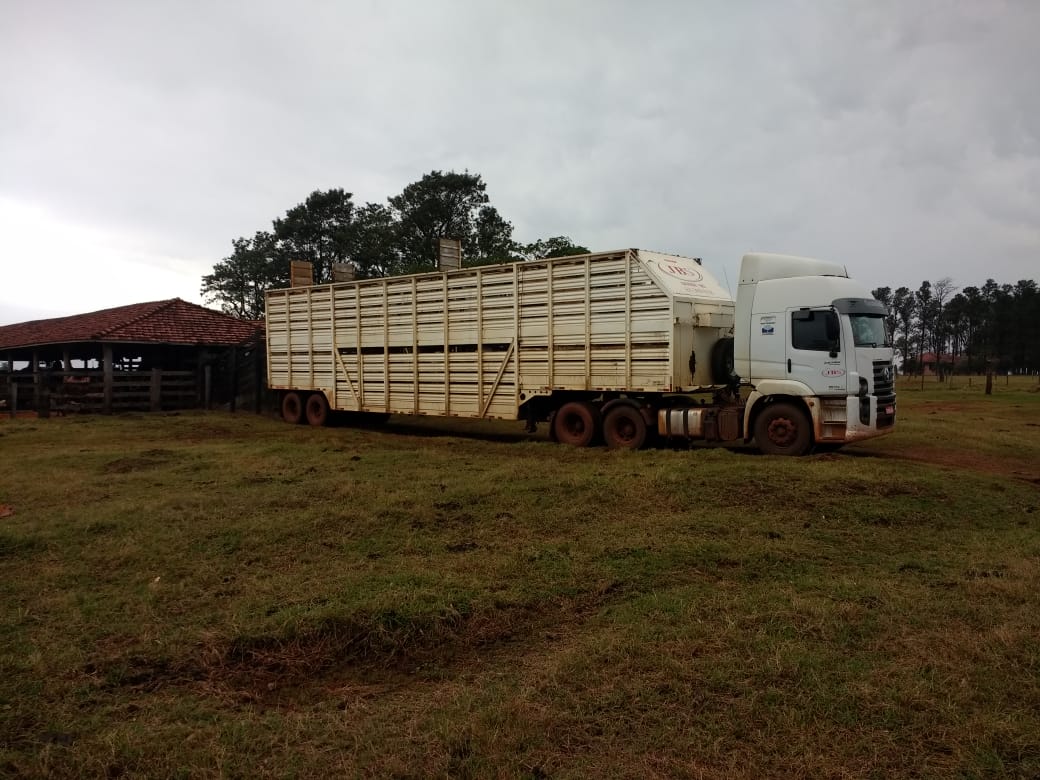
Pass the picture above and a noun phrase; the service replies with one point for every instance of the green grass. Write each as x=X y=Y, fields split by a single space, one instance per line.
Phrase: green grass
x=215 y=595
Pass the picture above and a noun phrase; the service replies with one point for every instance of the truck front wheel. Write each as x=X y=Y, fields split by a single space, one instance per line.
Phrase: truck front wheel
x=624 y=428
x=783 y=429
x=292 y=408
x=576 y=423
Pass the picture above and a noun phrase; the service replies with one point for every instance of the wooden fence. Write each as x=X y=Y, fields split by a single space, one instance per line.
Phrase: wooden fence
x=86 y=391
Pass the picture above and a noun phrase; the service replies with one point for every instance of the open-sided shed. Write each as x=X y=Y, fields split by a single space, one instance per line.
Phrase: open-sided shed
x=155 y=355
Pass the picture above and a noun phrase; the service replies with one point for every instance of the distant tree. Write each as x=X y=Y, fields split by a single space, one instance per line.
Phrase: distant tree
x=439 y=205
x=1025 y=339
x=557 y=246
x=319 y=230
x=941 y=291
x=903 y=309
x=239 y=280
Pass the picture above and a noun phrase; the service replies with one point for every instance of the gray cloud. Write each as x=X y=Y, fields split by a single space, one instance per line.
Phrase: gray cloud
x=900 y=138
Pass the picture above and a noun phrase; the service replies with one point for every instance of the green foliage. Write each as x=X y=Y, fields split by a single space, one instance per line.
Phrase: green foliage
x=375 y=252
x=557 y=246
x=239 y=280
x=442 y=205
x=319 y=231
x=993 y=327
x=376 y=239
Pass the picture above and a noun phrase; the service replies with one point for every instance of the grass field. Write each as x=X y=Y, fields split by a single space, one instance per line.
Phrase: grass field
x=225 y=595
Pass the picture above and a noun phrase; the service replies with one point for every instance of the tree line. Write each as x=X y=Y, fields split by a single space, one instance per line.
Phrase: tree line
x=992 y=327
x=376 y=239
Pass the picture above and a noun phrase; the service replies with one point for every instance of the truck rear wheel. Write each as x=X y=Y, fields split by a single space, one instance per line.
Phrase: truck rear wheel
x=624 y=428
x=576 y=423
x=292 y=408
x=317 y=409
x=783 y=429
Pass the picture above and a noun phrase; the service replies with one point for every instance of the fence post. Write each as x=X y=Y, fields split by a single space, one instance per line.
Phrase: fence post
x=43 y=395
x=155 y=391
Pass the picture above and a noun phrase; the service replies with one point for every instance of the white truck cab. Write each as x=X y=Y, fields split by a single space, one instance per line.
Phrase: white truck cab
x=810 y=340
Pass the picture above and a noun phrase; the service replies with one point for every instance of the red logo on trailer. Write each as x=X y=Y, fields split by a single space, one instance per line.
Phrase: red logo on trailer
x=680 y=271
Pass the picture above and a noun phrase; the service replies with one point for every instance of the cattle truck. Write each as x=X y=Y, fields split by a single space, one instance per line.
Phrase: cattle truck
x=617 y=347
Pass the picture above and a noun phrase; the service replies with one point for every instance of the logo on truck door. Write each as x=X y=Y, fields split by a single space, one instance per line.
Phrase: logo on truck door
x=833 y=372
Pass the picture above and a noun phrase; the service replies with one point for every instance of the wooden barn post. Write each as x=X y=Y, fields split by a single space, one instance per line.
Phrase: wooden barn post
x=107 y=369
x=37 y=381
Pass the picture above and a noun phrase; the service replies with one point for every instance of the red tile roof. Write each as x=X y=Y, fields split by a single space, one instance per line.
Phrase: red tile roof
x=158 y=322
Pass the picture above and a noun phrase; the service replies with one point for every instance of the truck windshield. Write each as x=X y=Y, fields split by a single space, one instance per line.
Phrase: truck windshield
x=869 y=330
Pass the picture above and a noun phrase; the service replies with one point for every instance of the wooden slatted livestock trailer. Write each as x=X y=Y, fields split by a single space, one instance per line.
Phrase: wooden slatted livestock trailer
x=530 y=340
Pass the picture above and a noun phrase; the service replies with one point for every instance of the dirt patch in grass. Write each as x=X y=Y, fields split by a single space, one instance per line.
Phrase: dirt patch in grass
x=282 y=669
x=969 y=460
x=150 y=459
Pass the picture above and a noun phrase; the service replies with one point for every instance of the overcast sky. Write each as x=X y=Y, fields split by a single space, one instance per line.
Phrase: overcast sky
x=138 y=139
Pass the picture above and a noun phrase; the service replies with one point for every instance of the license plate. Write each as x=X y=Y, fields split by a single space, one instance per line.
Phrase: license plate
x=890 y=410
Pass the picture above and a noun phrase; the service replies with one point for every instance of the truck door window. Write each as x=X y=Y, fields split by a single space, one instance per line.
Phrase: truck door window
x=814 y=330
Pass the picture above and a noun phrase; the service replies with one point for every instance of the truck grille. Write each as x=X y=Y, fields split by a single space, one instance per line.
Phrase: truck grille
x=885 y=392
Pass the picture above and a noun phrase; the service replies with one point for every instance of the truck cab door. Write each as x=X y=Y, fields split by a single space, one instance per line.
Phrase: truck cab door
x=814 y=351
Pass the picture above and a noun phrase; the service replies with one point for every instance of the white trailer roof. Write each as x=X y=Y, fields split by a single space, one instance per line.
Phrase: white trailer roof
x=682 y=277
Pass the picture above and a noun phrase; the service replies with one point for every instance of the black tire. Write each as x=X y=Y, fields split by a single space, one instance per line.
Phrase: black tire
x=292 y=408
x=624 y=428
x=783 y=429
x=576 y=423
x=722 y=372
x=317 y=409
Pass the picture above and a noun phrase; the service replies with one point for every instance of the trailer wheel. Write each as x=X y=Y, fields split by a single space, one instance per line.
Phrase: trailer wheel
x=576 y=423
x=624 y=428
x=292 y=408
x=317 y=409
x=783 y=429
x=722 y=361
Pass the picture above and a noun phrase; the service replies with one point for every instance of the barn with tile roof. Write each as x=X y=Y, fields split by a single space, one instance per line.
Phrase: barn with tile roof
x=155 y=355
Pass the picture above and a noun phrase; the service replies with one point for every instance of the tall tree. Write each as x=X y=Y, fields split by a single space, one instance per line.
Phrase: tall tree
x=941 y=290
x=319 y=230
x=904 y=308
x=375 y=250
x=924 y=310
x=439 y=205
x=493 y=238
x=239 y=280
